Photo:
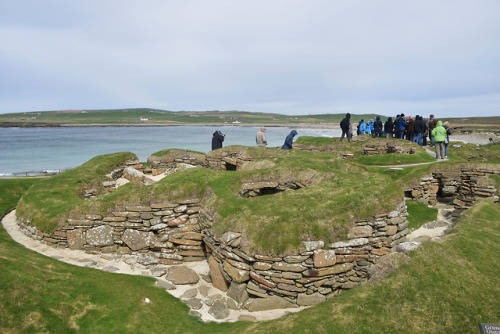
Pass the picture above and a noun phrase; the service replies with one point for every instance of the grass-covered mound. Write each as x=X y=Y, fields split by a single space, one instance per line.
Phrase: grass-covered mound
x=337 y=193
x=48 y=202
x=356 y=147
x=172 y=153
x=448 y=286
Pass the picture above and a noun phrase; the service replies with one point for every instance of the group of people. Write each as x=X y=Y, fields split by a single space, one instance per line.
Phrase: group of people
x=415 y=129
x=260 y=139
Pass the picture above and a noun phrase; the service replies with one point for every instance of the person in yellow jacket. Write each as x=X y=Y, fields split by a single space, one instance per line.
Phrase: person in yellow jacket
x=439 y=136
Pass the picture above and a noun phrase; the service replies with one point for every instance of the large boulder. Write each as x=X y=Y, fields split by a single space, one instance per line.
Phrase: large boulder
x=182 y=275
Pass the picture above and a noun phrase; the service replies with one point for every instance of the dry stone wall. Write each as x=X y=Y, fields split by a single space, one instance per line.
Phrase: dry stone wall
x=170 y=229
x=464 y=187
x=312 y=275
x=217 y=160
x=387 y=146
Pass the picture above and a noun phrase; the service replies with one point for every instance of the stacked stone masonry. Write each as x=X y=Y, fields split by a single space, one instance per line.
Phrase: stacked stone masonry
x=464 y=187
x=313 y=275
x=172 y=229
x=217 y=160
x=181 y=231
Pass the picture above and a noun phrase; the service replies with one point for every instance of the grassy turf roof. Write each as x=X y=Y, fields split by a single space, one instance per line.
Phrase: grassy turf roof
x=341 y=191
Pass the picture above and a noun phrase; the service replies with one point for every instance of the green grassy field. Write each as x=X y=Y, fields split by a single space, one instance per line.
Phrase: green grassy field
x=448 y=287
x=132 y=116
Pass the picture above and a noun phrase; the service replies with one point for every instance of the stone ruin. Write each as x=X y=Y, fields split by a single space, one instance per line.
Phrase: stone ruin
x=177 y=232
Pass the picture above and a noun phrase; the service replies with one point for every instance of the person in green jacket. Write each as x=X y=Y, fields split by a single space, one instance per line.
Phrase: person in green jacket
x=439 y=136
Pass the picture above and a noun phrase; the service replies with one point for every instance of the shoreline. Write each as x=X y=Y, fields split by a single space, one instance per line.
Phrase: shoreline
x=477 y=138
x=248 y=125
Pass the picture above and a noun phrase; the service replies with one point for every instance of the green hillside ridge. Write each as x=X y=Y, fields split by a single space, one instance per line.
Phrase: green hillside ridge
x=132 y=116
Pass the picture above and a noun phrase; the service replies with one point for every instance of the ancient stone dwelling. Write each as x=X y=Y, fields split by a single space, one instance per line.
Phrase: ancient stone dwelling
x=177 y=232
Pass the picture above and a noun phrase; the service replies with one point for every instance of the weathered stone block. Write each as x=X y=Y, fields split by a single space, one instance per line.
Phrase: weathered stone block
x=238 y=292
x=313 y=245
x=182 y=275
x=310 y=300
x=391 y=230
x=100 y=236
x=137 y=240
x=218 y=279
x=262 y=266
x=283 y=266
x=76 y=239
x=336 y=269
x=269 y=303
x=324 y=258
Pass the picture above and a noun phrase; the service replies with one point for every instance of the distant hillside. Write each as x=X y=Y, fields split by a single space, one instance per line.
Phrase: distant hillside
x=149 y=116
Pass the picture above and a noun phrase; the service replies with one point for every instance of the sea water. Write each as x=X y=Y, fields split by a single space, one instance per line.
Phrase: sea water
x=32 y=151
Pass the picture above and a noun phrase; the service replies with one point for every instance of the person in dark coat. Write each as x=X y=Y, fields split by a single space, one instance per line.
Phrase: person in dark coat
x=410 y=128
x=399 y=126
x=344 y=125
x=418 y=130
x=217 y=140
x=388 y=128
x=289 y=141
x=377 y=127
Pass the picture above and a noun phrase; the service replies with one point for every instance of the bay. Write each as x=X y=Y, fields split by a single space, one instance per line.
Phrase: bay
x=40 y=150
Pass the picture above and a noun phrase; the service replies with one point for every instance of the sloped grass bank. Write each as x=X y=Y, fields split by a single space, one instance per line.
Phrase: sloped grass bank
x=419 y=214
x=47 y=203
x=448 y=287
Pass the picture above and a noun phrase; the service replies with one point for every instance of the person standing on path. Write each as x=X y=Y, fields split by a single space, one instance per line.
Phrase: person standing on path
x=388 y=128
x=289 y=141
x=431 y=124
x=439 y=136
x=446 y=125
x=361 y=127
x=344 y=125
x=418 y=130
x=260 y=137
x=377 y=128
x=217 y=140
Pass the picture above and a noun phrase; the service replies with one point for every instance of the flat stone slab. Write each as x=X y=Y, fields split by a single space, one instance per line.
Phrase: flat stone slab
x=182 y=275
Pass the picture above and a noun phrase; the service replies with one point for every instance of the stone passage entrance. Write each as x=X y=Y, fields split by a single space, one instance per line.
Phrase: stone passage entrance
x=254 y=189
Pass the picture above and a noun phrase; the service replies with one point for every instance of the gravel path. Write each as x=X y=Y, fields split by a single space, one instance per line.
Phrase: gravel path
x=204 y=293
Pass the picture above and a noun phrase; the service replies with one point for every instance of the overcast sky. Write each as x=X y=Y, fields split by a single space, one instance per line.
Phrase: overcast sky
x=289 y=56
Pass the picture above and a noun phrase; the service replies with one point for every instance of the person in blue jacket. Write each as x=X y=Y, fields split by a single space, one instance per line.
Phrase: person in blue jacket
x=362 y=127
x=368 y=128
x=289 y=141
